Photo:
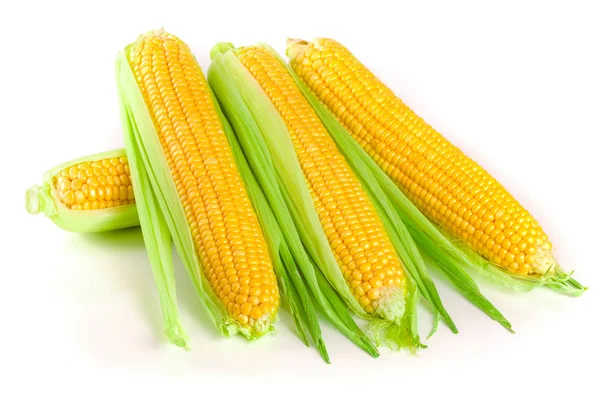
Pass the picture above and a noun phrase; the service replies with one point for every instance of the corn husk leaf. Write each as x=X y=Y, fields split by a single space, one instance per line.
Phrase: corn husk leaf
x=154 y=230
x=158 y=242
x=44 y=198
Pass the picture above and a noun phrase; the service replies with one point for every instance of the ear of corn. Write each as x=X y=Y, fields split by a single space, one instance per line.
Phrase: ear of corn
x=283 y=155
x=449 y=188
x=443 y=252
x=89 y=194
x=293 y=253
x=337 y=223
x=175 y=138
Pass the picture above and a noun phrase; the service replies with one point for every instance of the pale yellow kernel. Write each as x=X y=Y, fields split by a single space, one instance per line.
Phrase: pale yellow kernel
x=373 y=294
x=79 y=197
x=364 y=301
x=375 y=282
x=256 y=312
x=246 y=308
x=69 y=197
x=76 y=184
x=108 y=193
x=73 y=173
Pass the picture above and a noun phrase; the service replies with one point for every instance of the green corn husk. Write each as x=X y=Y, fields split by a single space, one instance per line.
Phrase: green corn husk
x=271 y=154
x=303 y=272
x=428 y=238
x=156 y=234
x=43 y=198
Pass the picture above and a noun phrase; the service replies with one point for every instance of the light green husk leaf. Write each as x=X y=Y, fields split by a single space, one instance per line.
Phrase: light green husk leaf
x=271 y=154
x=43 y=198
x=248 y=133
x=157 y=239
x=424 y=233
x=143 y=148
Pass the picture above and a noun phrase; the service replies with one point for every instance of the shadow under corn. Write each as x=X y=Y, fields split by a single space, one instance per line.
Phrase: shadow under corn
x=124 y=257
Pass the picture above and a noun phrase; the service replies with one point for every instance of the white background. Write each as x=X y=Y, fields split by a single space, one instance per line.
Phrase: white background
x=515 y=85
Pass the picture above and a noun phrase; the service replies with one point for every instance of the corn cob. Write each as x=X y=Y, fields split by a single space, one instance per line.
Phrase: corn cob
x=175 y=136
x=361 y=247
x=448 y=187
x=90 y=194
x=333 y=210
x=363 y=251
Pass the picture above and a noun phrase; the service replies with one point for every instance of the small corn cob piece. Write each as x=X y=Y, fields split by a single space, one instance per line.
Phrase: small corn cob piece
x=194 y=178
x=447 y=186
x=90 y=194
x=95 y=185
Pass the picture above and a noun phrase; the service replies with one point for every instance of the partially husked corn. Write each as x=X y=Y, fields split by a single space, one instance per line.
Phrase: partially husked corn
x=364 y=252
x=95 y=185
x=88 y=194
x=225 y=230
x=446 y=185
